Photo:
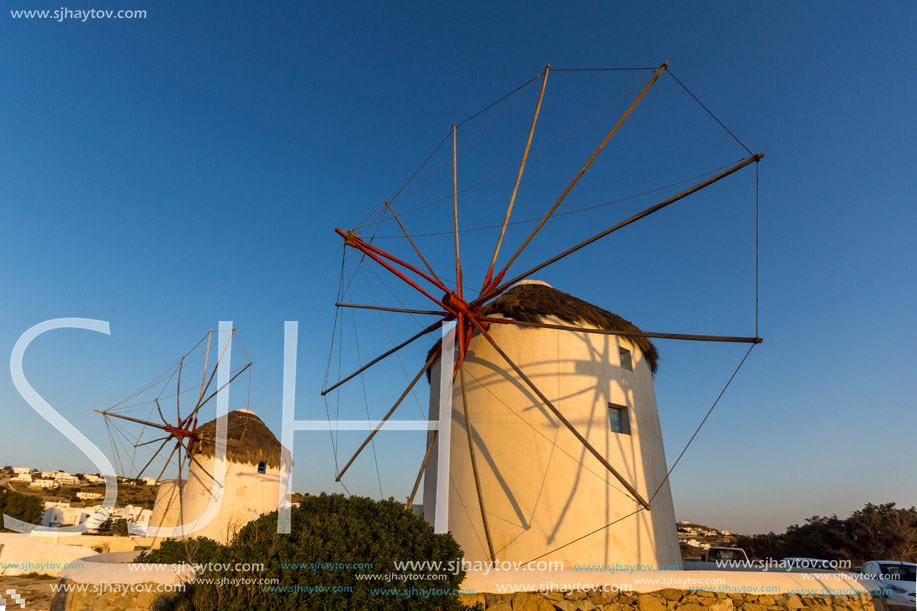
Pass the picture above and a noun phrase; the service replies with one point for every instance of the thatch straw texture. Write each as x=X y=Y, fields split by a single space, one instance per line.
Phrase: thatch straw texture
x=248 y=440
x=531 y=302
x=536 y=301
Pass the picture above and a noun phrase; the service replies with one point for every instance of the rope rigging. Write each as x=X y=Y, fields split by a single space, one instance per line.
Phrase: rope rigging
x=508 y=168
x=568 y=212
x=183 y=433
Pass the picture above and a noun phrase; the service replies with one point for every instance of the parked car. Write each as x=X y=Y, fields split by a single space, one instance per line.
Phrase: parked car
x=897 y=578
x=734 y=554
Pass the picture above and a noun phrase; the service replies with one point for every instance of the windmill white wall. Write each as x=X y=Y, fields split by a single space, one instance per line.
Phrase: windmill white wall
x=247 y=493
x=541 y=488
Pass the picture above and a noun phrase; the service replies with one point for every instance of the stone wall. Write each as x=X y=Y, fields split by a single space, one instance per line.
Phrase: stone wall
x=150 y=597
x=667 y=600
x=119 y=597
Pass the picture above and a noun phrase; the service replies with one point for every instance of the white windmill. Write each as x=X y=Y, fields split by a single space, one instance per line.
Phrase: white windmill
x=556 y=448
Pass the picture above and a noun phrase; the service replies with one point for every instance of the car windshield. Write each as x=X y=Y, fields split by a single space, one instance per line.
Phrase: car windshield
x=899 y=572
x=728 y=554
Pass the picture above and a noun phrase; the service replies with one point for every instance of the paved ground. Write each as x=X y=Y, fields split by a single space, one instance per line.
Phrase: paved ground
x=36 y=591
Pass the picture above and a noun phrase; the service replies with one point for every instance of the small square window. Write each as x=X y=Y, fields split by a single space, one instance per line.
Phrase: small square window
x=617 y=419
x=626 y=362
x=262 y=467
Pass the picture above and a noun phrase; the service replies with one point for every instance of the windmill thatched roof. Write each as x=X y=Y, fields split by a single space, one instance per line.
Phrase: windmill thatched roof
x=248 y=440
x=534 y=301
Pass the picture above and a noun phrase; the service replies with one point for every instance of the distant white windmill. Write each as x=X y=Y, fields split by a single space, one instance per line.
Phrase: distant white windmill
x=247 y=485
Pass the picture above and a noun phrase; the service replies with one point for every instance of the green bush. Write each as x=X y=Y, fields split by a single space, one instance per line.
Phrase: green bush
x=325 y=529
x=876 y=531
x=19 y=506
x=199 y=550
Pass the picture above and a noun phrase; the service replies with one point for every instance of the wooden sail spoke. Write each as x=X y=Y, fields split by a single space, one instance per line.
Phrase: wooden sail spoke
x=377 y=254
x=585 y=167
x=411 y=240
x=683 y=336
x=161 y=417
x=423 y=467
x=411 y=339
x=388 y=415
x=146 y=443
x=216 y=367
x=168 y=462
x=178 y=391
x=458 y=261
x=386 y=309
x=381 y=257
x=149 y=462
x=701 y=185
x=215 y=393
x=512 y=199
x=164 y=427
x=206 y=359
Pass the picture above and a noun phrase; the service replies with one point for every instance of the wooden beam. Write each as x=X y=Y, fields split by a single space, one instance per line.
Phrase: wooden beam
x=696 y=338
x=701 y=185
x=411 y=240
x=131 y=419
x=166 y=466
x=512 y=199
x=181 y=364
x=206 y=361
x=586 y=165
x=388 y=415
x=458 y=261
x=215 y=367
x=384 y=309
x=423 y=467
x=429 y=329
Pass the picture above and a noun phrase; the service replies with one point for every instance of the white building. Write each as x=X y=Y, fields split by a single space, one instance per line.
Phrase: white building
x=19 y=470
x=65 y=479
x=49 y=484
x=696 y=543
x=89 y=496
x=22 y=477
x=251 y=486
x=56 y=514
x=94 y=479
x=546 y=496
x=133 y=513
x=60 y=513
x=149 y=481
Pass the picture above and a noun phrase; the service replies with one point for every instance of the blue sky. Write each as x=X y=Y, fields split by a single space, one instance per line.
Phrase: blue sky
x=167 y=173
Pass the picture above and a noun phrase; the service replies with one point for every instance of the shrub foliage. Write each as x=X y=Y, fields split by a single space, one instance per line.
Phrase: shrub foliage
x=314 y=565
x=20 y=506
x=872 y=533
